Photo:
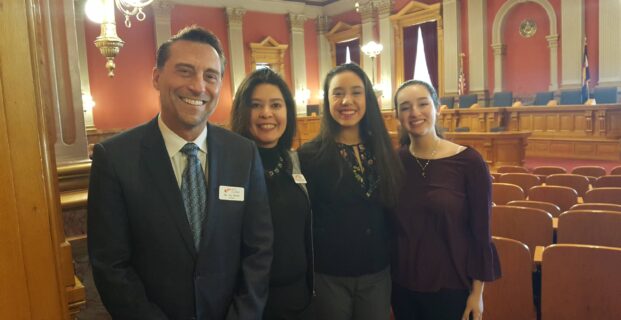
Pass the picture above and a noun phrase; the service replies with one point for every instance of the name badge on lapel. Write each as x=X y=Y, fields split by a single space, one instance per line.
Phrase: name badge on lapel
x=229 y=193
x=299 y=178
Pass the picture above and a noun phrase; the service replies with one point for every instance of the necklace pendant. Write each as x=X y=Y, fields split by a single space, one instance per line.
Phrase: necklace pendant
x=423 y=174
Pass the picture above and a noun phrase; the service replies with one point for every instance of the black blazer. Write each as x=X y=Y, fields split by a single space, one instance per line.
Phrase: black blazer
x=139 y=240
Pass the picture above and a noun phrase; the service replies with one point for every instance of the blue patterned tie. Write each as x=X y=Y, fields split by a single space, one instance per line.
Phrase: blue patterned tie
x=194 y=191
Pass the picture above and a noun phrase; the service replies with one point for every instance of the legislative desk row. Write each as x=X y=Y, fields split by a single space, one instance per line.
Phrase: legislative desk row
x=576 y=131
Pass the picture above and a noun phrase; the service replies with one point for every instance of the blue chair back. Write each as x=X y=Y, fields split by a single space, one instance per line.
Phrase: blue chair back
x=542 y=98
x=605 y=95
x=572 y=97
x=449 y=102
x=503 y=99
x=467 y=101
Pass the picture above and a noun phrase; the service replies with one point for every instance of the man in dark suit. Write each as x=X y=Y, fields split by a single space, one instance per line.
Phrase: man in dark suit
x=157 y=250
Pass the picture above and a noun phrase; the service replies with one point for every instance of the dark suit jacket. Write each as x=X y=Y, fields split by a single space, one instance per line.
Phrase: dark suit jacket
x=139 y=240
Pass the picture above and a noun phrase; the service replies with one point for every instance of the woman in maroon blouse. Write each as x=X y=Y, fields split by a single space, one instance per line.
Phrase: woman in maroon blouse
x=444 y=251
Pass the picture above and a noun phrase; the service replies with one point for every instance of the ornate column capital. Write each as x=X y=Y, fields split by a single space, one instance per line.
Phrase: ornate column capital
x=366 y=12
x=552 y=41
x=323 y=23
x=500 y=49
x=234 y=16
x=296 y=22
x=162 y=8
x=384 y=7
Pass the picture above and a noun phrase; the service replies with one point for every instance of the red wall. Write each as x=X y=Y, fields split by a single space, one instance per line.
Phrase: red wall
x=128 y=99
x=527 y=63
x=591 y=21
x=213 y=19
x=259 y=25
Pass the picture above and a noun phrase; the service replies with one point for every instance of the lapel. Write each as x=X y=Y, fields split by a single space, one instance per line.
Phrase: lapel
x=215 y=158
x=158 y=165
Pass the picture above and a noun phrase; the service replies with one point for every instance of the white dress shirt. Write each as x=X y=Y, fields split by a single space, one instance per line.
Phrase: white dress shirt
x=174 y=143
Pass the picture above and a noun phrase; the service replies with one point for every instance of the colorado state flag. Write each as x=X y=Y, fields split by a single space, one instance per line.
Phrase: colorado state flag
x=585 y=75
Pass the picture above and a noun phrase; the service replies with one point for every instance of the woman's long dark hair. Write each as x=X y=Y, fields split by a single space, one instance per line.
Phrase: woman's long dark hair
x=404 y=137
x=372 y=132
x=240 y=111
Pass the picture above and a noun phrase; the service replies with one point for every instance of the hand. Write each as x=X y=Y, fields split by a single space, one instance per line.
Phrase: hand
x=474 y=306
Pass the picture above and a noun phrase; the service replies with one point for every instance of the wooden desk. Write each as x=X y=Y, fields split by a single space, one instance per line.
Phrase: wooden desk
x=497 y=148
x=478 y=120
x=579 y=132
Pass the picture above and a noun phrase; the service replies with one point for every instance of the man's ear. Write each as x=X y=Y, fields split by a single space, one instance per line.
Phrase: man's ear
x=155 y=77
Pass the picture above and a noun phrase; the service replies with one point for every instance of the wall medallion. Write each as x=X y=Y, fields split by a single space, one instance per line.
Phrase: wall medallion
x=528 y=28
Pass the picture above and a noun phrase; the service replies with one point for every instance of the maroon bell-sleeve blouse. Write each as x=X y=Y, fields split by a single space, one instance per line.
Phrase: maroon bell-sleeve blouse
x=443 y=238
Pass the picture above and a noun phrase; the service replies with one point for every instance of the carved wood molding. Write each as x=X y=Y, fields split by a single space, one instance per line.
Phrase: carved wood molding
x=339 y=33
x=412 y=14
x=271 y=52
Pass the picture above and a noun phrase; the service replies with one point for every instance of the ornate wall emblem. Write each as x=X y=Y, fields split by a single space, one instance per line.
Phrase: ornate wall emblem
x=528 y=28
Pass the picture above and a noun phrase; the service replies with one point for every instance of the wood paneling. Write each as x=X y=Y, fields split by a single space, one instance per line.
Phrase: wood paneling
x=497 y=148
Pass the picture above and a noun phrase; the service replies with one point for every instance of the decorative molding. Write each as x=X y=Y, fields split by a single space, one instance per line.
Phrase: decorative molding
x=412 y=14
x=323 y=23
x=235 y=16
x=366 y=11
x=162 y=8
x=271 y=52
x=296 y=22
x=452 y=45
x=384 y=7
x=342 y=32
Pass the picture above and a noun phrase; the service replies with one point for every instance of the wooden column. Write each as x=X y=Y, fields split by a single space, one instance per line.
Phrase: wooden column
x=34 y=266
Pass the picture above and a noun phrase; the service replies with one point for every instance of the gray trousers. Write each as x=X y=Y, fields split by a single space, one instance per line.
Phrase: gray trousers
x=365 y=297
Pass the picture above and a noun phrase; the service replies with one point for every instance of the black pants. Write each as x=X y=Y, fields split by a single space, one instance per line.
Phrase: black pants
x=289 y=302
x=445 y=304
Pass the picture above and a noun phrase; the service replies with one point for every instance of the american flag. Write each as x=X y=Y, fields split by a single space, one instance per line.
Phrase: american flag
x=461 y=89
x=586 y=75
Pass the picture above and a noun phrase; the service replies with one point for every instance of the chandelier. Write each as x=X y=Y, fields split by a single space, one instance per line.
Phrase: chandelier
x=102 y=11
x=372 y=49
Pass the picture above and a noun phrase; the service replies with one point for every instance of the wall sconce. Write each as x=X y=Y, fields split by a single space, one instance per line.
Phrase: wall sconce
x=87 y=105
x=108 y=41
x=372 y=49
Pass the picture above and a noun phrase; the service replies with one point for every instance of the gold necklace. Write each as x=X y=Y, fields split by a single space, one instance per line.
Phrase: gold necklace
x=423 y=167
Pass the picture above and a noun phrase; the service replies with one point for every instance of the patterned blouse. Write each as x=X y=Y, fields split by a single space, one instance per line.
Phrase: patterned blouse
x=366 y=176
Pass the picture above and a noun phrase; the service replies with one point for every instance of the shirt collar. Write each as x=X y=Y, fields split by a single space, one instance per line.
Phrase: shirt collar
x=174 y=143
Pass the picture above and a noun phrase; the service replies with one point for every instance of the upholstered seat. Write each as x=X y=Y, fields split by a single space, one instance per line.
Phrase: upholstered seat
x=503 y=99
x=605 y=95
x=572 y=97
x=449 y=102
x=467 y=100
x=542 y=98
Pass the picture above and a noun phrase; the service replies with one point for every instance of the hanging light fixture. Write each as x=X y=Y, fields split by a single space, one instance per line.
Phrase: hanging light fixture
x=108 y=41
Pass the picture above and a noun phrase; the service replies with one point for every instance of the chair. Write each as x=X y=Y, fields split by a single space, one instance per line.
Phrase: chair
x=603 y=195
x=592 y=172
x=578 y=182
x=596 y=206
x=312 y=109
x=548 y=207
x=608 y=181
x=505 y=192
x=507 y=169
x=563 y=197
x=580 y=282
x=449 y=102
x=466 y=101
x=594 y=227
x=542 y=98
x=462 y=129
x=496 y=176
x=498 y=129
x=548 y=170
x=524 y=180
x=511 y=296
x=605 y=95
x=503 y=99
x=616 y=170
x=572 y=97
x=531 y=226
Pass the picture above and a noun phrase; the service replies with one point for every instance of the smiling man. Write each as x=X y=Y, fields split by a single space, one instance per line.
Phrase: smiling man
x=178 y=217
